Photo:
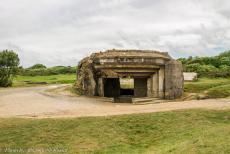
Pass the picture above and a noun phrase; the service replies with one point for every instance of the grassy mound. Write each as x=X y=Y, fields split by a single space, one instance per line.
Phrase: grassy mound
x=219 y=91
x=213 y=88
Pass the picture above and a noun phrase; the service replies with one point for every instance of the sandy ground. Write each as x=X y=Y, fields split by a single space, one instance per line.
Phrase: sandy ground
x=34 y=102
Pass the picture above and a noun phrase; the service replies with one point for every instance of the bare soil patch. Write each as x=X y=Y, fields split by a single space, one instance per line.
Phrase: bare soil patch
x=36 y=102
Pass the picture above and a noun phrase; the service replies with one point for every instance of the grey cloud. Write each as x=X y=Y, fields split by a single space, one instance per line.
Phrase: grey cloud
x=57 y=32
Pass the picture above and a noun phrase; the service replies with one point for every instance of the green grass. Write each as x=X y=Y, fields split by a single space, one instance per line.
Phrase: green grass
x=214 y=87
x=219 y=91
x=52 y=79
x=185 y=131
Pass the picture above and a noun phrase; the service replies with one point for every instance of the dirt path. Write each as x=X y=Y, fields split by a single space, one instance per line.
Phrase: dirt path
x=33 y=102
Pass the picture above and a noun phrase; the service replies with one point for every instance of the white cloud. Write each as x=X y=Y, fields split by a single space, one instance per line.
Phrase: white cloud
x=57 y=32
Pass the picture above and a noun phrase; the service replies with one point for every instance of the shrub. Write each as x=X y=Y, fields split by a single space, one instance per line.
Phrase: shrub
x=48 y=71
x=9 y=62
x=37 y=66
x=217 y=66
x=225 y=68
x=193 y=67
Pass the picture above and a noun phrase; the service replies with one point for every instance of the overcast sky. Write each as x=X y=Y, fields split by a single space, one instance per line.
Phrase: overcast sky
x=61 y=32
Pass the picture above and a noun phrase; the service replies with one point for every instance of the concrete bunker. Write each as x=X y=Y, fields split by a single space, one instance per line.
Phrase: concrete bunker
x=153 y=75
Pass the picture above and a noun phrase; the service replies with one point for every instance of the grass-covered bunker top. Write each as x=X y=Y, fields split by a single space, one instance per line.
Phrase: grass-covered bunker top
x=155 y=74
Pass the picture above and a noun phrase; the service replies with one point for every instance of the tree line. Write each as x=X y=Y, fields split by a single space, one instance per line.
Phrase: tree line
x=216 y=66
x=9 y=68
x=42 y=70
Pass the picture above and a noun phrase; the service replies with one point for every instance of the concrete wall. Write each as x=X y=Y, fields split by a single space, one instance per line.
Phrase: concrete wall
x=173 y=80
x=155 y=84
x=140 y=87
x=149 y=87
x=89 y=84
x=100 y=87
x=161 y=90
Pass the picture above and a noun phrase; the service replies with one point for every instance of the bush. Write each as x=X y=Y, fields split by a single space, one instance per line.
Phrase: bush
x=200 y=69
x=225 y=61
x=225 y=68
x=48 y=71
x=218 y=66
x=9 y=62
x=193 y=67
x=37 y=66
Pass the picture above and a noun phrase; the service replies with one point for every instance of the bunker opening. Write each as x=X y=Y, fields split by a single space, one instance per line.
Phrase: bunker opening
x=126 y=87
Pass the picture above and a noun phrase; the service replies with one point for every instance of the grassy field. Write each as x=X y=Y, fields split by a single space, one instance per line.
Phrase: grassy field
x=52 y=79
x=185 y=131
x=213 y=87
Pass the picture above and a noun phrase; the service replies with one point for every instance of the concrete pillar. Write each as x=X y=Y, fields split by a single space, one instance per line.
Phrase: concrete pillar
x=161 y=92
x=101 y=87
x=155 y=84
x=174 y=81
x=149 y=87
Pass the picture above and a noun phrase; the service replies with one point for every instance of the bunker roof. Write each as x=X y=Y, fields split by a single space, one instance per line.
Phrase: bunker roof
x=132 y=54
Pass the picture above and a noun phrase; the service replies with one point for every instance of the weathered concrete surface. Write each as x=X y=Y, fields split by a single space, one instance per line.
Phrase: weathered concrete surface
x=140 y=87
x=174 y=80
x=20 y=102
x=86 y=77
x=161 y=73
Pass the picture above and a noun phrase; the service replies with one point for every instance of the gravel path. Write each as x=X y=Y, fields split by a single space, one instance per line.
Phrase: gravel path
x=33 y=102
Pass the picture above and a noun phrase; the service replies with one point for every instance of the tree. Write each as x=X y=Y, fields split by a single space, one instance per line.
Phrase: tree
x=193 y=67
x=225 y=54
x=197 y=60
x=224 y=68
x=217 y=66
x=183 y=60
x=37 y=66
x=9 y=62
x=225 y=61
x=200 y=69
x=207 y=68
